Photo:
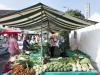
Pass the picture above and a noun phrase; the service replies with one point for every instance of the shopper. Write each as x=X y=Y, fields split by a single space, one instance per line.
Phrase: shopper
x=13 y=47
x=26 y=43
x=52 y=45
x=4 y=54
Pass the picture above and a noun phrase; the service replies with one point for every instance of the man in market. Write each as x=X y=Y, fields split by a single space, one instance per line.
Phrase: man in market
x=26 y=43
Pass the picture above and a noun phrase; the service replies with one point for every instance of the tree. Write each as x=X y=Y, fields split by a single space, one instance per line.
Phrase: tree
x=75 y=13
x=65 y=34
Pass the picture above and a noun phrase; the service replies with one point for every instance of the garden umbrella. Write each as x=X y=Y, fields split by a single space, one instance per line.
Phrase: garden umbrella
x=9 y=31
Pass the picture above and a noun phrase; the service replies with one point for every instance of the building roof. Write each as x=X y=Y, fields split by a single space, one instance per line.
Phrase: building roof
x=42 y=15
x=5 y=12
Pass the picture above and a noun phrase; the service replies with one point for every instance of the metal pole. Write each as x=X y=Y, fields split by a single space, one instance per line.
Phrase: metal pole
x=41 y=44
x=48 y=32
x=41 y=38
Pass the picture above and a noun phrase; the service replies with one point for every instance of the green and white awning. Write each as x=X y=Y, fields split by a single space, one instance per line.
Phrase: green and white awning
x=34 y=16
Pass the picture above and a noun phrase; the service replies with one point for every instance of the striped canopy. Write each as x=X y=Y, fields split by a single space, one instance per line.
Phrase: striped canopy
x=41 y=15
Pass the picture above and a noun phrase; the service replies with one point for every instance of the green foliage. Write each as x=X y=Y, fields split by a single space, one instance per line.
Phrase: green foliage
x=65 y=45
x=26 y=63
x=34 y=47
x=75 y=13
x=64 y=33
x=76 y=54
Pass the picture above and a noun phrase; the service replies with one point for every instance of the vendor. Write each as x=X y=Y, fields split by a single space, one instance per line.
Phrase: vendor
x=52 y=45
x=26 y=43
x=33 y=41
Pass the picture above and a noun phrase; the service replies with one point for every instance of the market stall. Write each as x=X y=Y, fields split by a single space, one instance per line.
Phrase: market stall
x=43 y=18
x=29 y=62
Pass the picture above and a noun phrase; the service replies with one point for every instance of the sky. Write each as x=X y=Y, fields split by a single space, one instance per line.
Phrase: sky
x=61 y=5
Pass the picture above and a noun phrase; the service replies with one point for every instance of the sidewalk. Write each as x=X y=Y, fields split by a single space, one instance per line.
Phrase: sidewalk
x=95 y=65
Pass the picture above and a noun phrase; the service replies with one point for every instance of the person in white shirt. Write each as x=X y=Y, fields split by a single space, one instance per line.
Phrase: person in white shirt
x=33 y=41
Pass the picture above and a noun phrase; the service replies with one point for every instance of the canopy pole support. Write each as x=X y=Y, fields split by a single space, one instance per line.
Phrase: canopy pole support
x=48 y=31
x=41 y=38
x=48 y=36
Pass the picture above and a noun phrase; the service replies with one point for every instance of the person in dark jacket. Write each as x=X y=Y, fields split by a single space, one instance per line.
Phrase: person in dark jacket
x=26 y=43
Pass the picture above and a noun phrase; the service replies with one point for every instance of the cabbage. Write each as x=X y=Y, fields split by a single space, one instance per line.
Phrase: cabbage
x=85 y=61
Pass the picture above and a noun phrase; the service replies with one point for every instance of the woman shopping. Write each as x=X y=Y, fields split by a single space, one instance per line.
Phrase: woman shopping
x=13 y=47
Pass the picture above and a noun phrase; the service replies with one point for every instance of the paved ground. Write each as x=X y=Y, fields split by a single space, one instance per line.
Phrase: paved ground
x=3 y=59
x=96 y=67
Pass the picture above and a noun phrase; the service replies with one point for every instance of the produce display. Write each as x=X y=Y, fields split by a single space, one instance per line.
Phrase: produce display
x=34 y=47
x=69 y=64
x=58 y=67
x=23 y=64
x=20 y=70
x=76 y=53
x=29 y=63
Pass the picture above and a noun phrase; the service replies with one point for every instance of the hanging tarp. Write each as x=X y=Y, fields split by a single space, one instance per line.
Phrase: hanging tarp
x=31 y=18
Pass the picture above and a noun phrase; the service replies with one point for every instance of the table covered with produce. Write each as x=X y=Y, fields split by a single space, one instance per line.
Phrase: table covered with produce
x=29 y=63
x=76 y=63
x=67 y=66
